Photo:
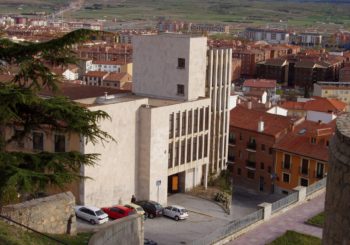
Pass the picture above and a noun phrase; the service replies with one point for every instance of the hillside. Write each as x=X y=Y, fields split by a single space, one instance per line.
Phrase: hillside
x=292 y=12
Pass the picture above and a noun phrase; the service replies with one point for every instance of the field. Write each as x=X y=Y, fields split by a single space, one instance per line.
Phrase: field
x=317 y=220
x=291 y=12
x=322 y=14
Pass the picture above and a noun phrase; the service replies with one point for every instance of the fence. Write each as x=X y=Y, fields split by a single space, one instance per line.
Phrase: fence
x=286 y=201
x=239 y=224
x=316 y=186
x=231 y=228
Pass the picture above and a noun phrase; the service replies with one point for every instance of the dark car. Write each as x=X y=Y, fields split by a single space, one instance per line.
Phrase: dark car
x=149 y=242
x=152 y=209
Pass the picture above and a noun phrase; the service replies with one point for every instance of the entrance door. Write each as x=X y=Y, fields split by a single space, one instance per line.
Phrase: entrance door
x=175 y=183
x=261 y=183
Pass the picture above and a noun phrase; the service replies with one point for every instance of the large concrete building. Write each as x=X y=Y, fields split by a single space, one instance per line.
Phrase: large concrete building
x=170 y=132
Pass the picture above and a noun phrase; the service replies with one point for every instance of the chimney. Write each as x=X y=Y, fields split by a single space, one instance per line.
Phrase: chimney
x=260 y=126
x=250 y=105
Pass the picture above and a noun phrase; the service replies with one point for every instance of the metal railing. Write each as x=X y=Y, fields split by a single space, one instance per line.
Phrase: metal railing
x=9 y=220
x=286 y=201
x=230 y=228
x=316 y=186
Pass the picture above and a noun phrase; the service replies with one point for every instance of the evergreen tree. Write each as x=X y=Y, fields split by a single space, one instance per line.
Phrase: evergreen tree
x=21 y=106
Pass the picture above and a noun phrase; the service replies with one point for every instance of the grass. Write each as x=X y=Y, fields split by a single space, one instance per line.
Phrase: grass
x=293 y=238
x=11 y=235
x=317 y=220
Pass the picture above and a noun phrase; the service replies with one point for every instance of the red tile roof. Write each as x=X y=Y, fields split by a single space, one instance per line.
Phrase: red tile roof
x=325 y=105
x=95 y=74
x=299 y=141
x=317 y=104
x=248 y=119
x=260 y=83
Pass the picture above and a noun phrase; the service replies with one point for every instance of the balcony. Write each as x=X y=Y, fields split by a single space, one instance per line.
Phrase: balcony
x=304 y=171
x=251 y=146
x=232 y=141
x=286 y=165
x=250 y=164
x=231 y=158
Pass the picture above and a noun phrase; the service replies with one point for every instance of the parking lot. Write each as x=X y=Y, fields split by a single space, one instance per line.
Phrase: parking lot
x=204 y=217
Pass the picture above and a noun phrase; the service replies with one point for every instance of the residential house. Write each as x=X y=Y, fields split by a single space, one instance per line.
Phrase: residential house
x=338 y=90
x=252 y=136
x=260 y=85
x=302 y=155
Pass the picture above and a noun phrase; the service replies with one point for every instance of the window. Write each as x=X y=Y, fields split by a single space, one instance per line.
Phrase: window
x=250 y=174
x=177 y=125
x=195 y=121
x=171 y=126
x=194 y=156
x=201 y=119
x=313 y=140
x=177 y=154
x=320 y=170
x=304 y=182
x=262 y=165
x=60 y=143
x=180 y=89
x=38 y=141
x=270 y=151
x=262 y=147
x=189 y=150
x=206 y=145
x=286 y=162
x=181 y=63
x=183 y=126
x=240 y=136
x=269 y=169
x=239 y=171
x=285 y=178
x=232 y=138
x=170 y=156
x=305 y=166
x=19 y=138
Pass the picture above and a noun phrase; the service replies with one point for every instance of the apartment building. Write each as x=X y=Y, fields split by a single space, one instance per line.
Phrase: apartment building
x=268 y=35
x=302 y=155
x=338 y=90
x=253 y=134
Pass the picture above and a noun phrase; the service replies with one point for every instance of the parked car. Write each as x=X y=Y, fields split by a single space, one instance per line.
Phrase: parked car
x=176 y=212
x=149 y=242
x=118 y=211
x=138 y=209
x=92 y=214
x=152 y=209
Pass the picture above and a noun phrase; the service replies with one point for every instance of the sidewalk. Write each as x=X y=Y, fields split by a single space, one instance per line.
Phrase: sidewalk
x=291 y=220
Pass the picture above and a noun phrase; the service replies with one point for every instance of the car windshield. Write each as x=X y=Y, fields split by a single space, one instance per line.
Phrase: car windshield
x=99 y=212
x=158 y=206
x=183 y=210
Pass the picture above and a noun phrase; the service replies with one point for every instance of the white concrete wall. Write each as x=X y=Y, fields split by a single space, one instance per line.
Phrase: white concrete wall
x=278 y=111
x=316 y=116
x=155 y=71
x=69 y=75
x=113 y=178
x=233 y=102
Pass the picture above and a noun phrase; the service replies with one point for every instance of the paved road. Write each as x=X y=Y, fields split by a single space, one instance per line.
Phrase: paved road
x=291 y=220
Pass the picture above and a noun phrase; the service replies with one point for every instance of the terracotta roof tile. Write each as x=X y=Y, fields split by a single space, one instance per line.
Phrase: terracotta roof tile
x=248 y=119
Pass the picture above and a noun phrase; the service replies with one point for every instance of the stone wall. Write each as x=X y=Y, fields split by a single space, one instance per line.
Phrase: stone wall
x=53 y=214
x=126 y=231
x=337 y=223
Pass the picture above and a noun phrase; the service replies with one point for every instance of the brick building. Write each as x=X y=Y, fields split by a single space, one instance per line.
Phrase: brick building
x=302 y=155
x=252 y=136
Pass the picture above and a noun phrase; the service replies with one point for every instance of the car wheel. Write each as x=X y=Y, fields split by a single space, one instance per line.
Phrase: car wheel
x=177 y=218
x=93 y=222
x=151 y=216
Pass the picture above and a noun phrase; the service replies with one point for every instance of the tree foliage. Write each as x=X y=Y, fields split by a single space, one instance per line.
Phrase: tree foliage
x=21 y=106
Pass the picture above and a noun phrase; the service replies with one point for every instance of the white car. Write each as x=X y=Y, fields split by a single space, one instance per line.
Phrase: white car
x=92 y=214
x=176 y=212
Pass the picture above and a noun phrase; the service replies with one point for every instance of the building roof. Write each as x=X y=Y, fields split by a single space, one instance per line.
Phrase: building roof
x=325 y=105
x=77 y=91
x=259 y=83
x=274 y=62
x=115 y=76
x=243 y=118
x=95 y=74
x=299 y=140
x=319 y=104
